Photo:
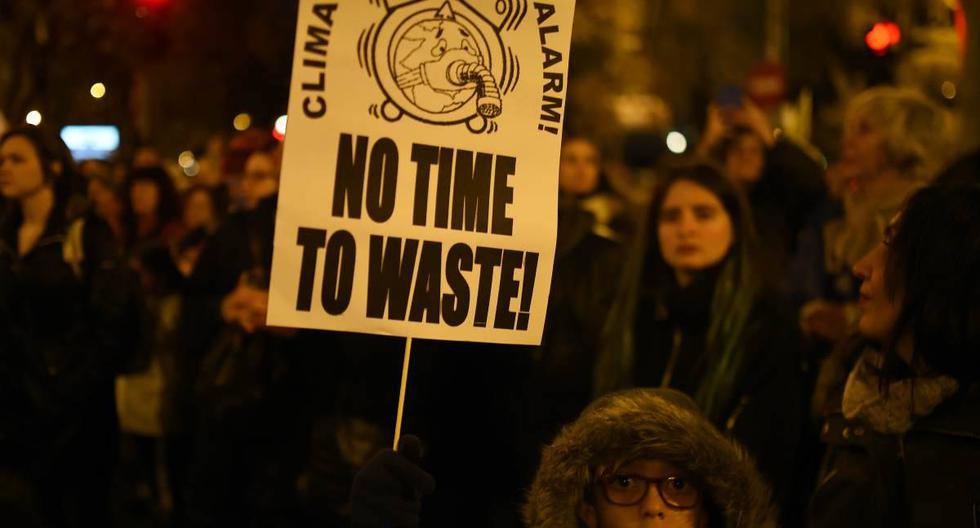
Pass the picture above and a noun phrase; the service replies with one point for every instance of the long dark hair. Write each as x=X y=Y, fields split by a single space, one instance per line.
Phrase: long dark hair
x=933 y=265
x=168 y=207
x=52 y=150
x=736 y=288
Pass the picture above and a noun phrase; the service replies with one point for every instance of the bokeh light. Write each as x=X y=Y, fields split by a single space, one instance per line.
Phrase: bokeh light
x=676 y=142
x=98 y=90
x=33 y=118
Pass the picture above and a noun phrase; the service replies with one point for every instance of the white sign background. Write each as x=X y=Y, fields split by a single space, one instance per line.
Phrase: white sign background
x=335 y=91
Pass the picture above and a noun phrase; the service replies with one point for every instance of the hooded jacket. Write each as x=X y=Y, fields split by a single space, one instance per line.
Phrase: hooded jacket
x=659 y=424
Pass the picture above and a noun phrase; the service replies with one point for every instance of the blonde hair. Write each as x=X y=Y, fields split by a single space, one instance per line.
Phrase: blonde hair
x=917 y=133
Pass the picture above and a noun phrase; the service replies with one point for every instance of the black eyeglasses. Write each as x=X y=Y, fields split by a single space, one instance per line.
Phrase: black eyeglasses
x=629 y=490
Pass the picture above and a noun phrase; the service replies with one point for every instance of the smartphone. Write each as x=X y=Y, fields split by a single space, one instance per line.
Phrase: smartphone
x=730 y=96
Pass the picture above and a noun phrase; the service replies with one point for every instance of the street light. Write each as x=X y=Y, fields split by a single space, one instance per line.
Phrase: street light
x=33 y=118
x=883 y=36
x=98 y=90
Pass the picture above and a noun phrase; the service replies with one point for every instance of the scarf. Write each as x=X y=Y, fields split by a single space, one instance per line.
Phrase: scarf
x=892 y=409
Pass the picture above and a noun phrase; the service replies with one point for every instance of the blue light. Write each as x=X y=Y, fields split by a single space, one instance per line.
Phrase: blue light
x=91 y=141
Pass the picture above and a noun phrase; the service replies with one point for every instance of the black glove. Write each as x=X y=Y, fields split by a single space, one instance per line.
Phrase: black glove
x=388 y=490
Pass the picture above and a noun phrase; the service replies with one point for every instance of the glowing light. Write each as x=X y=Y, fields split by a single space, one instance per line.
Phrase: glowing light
x=193 y=170
x=33 y=118
x=676 y=142
x=186 y=159
x=280 y=130
x=883 y=36
x=98 y=90
x=949 y=90
x=242 y=122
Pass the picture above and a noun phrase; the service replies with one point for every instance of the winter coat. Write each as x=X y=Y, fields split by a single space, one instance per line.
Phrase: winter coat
x=66 y=323
x=928 y=476
x=582 y=291
x=656 y=424
x=789 y=190
x=766 y=411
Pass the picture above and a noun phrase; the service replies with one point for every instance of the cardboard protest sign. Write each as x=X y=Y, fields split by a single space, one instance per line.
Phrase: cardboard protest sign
x=419 y=183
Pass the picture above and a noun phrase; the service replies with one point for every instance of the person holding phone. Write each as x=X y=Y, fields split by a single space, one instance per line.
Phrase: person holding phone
x=783 y=183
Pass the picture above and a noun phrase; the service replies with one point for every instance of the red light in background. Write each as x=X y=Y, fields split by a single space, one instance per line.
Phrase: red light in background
x=883 y=36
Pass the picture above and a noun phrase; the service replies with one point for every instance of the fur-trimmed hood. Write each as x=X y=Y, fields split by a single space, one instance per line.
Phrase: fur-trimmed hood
x=647 y=423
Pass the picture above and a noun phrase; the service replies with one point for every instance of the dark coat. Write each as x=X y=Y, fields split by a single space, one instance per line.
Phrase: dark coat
x=64 y=332
x=926 y=477
x=582 y=290
x=767 y=410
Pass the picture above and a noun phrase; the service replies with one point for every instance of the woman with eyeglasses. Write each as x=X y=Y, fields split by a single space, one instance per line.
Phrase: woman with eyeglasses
x=644 y=458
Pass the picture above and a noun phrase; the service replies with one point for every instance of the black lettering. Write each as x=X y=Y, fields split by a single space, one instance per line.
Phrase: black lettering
x=428 y=284
x=503 y=195
x=325 y=12
x=507 y=291
x=349 y=180
x=545 y=11
x=317 y=86
x=456 y=305
x=488 y=259
x=382 y=180
x=311 y=240
x=444 y=187
x=390 y=276
x=550 y=109
x=471 y=191
x=543 y=33
x=320 y=110
x=321 y=38
x=338 y=273
x=527 y=289
x=424 y=157
x=556 y=82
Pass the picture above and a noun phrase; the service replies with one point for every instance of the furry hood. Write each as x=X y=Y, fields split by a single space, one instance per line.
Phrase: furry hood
x=647 y=423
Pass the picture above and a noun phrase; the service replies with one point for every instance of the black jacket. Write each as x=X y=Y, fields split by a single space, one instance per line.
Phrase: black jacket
x=926 y=477
x=766 y=411
x=64 y=332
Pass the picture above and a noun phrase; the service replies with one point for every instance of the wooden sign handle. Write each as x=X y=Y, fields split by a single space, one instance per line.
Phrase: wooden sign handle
x=401 y=392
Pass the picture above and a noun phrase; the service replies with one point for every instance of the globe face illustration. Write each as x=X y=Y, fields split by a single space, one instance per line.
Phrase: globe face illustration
x=435 y=41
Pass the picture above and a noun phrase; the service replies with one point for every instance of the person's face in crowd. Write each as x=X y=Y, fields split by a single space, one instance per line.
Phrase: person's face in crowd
x=631 y=498
x=198 y=211
x=260 y=179
x=105 y=202
x=863 y=149
x=146 y=157
x=880 y=308
x=145 y=197
x=694 y=230
x=21 y=173
x=578 y=172
x=746 y=158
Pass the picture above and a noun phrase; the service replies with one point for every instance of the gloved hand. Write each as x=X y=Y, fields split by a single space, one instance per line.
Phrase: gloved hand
x=388 y=490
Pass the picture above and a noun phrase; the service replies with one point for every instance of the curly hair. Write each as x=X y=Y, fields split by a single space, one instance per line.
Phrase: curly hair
x=917 y=133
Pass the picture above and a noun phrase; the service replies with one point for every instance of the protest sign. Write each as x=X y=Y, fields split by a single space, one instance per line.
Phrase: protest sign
x=419 y=183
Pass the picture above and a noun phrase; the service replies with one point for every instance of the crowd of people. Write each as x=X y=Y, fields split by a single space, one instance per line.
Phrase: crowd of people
x=751 y=340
